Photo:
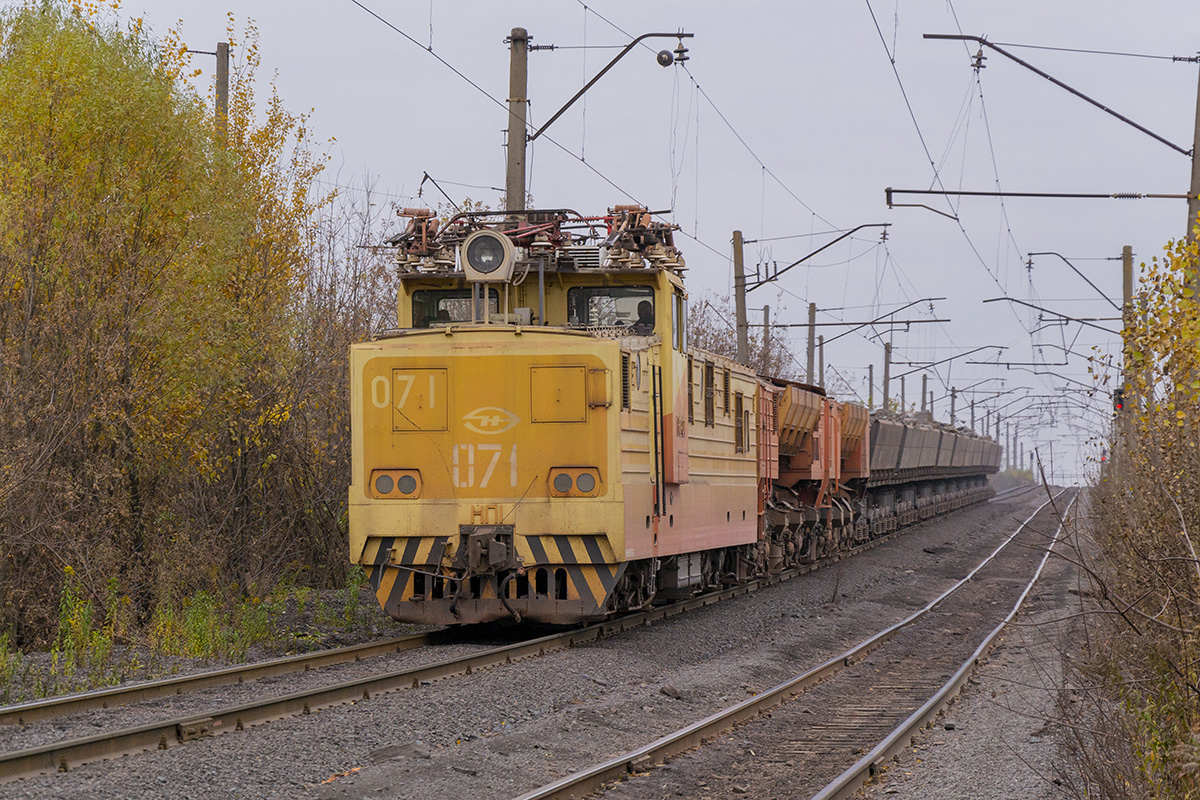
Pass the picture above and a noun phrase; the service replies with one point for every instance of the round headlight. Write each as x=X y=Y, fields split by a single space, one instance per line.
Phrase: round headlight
x=485 y=253
x=407 y=484
x=383 y=484
x=585 y=482
x=562 y=482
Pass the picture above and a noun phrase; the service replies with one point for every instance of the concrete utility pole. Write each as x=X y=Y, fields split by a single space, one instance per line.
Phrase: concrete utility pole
x=870 y=387
x=1194 y=191
x=812 y=341
x=924 y=389
x=973 y=417
x=931 y=403
x=821 y=360
x=903 y=405
x=1127 y=318
x=518 y=89
x=222 y=88
x=887 y=373
x=739 y=301
x=766 y=353
x=1009 y=448
x=953 y=403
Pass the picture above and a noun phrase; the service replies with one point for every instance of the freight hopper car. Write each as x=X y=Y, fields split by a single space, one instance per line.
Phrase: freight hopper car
x=842 y=476
x=537 y=441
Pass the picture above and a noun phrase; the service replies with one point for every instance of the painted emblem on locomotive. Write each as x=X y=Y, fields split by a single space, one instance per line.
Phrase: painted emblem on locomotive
x=490 y=420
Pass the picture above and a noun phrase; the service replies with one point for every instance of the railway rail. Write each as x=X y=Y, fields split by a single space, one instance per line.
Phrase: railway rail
x=38 y=710
x=25 y=713
x=171 y=732
x=1015 y=491
x=594 y=778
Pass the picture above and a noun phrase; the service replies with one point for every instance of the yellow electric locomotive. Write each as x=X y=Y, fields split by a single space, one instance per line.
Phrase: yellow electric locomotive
x=521 y=444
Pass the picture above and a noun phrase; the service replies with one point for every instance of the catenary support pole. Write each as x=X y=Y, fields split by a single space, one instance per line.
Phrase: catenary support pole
x=1008 y=449
x=887 y=373
x=518 y=102
x=1194 y=191
x=812 y=342
x=1127 y=323
x=766 y=353
x=821 y=360
x=222 y=88
x=739 y=300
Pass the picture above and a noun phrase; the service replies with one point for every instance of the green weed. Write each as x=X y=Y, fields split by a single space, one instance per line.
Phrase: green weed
x=356 y=579
x=302 y=595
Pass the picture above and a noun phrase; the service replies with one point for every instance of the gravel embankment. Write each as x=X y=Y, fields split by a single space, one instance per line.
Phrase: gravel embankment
x=503 y=731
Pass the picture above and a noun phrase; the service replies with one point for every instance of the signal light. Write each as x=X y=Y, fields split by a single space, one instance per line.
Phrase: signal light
x=1118 y=398
x=487 y=255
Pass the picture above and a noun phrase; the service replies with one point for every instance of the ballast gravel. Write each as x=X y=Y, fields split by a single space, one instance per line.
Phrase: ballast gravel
x=504 y=731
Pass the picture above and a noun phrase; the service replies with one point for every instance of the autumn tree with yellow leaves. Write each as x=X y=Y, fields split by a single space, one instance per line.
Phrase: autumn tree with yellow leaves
x=174 y=310
x=1137 y=708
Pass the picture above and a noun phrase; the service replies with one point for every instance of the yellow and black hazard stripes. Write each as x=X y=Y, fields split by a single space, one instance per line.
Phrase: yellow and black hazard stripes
x=590 y=580
x=564 y=578
x=396 y=561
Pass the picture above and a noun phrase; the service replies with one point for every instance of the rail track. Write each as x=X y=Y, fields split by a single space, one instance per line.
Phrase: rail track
x=25 y=713
x=1016 y=491
x=171 y=732
x=858 y=720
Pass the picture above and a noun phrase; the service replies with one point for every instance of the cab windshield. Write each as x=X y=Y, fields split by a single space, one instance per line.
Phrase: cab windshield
x=612 y=307
x=442 y=306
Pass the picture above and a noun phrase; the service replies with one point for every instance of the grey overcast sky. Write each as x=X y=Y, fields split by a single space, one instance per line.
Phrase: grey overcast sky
x=788 y=120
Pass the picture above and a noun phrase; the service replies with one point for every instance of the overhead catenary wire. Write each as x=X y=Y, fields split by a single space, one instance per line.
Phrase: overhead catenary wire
x=728 y=124
x=1189 y=59
x=929 y=156
x=552 y=141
